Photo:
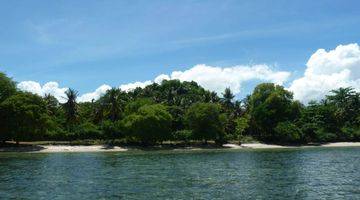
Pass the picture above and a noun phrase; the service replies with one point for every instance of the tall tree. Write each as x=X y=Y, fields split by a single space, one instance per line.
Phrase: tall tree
x=270 y=104
x=52 y=104
x=347 y=103
x=205 y=121
x=112 y=102
x=71 y=107
x=229 y=109
x=227 y=99
x=149 y=124
x=7 y=87
x=24 y=116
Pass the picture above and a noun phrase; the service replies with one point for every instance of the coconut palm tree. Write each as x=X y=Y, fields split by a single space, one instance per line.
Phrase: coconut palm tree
x=347 y=103
x=214 y=97
x=227 y=99
x=71 y=107
x=111 y=103
x=52 y=104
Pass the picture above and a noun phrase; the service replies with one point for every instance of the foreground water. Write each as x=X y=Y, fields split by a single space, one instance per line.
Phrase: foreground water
x=314 y=173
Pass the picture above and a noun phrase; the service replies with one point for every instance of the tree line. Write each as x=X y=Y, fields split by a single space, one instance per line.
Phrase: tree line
x=179 y=111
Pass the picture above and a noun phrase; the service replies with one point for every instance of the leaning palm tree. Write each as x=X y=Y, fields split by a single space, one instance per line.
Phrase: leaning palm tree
x=71 y=107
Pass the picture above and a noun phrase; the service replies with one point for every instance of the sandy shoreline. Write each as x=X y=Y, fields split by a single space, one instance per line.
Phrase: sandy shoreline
x=104 y=148
x=63 y=148
x=92 y=148
x=272 y=146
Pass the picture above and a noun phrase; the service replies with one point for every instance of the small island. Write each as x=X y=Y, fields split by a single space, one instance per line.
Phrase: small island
x=176 y=114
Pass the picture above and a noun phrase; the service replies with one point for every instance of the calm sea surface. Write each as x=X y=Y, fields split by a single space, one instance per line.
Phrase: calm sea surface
x=313 y=173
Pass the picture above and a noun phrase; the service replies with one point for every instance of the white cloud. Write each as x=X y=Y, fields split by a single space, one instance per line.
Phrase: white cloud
x=327 y=71
x=94 y=95
x=58 y=92
x=54 y=89
x=160 y=78
x=218 y=78
x=30 y=86
x=48 y=88
x=211 y=78
x=131 y=86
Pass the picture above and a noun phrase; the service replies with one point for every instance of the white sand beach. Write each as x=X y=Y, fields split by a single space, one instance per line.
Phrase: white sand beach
x=105 y=148
x=342 y=144
x=68 y=148
x=272 y=146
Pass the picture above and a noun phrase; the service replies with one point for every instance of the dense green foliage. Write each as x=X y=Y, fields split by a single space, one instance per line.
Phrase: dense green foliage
x=270 y=105
x=179 y=111
x=7 y=87
x=149 y=124
x=23 y=117
x=205 y=121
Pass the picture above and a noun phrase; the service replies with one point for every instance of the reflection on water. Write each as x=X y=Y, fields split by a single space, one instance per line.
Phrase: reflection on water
x=314 y=173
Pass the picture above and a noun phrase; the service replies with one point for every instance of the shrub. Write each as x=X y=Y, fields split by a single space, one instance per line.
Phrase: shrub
x=183 y=135
x=288 y=132
x=205 y=121
x=112 y=130
x=88 y=130
x=150 y=124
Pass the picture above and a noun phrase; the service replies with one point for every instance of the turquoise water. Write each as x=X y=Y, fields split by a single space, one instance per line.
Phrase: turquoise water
x=315 y=173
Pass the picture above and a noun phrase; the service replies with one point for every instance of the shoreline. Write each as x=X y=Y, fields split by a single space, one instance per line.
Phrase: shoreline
x=274 y=146
x=107 y=148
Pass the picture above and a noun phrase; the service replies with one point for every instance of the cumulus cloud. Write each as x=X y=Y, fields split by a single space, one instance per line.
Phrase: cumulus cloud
x=131 y=86
x=48 y=88
x=58 y=92
x=328 y=70
x=161 y=77
x=94 y=95
x=210 y=77
x=218 y=78
x=30 y=86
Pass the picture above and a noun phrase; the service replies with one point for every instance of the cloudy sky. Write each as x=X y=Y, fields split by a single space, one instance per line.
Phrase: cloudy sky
x=310 y=47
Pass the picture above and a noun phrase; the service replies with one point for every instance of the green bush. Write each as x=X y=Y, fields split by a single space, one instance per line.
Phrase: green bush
x=241 y=124
x=321 y=135
x=112 y=130
x=351 y=133
x=150 y=124
x=287 y=132
x=204 y=119
x=88 y=130
x=183 y=135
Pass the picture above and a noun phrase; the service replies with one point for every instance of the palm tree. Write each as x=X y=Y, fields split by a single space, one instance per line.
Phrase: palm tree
x=114 y=97
x=238 y=109
x=347 y=103
x=214 y=97
x=111 y=103
x=227 y=99
x=52 y=104
x=341 y=96
x=71 y=107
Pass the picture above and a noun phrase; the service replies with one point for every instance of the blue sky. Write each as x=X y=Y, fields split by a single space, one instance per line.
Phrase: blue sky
x=84 y=44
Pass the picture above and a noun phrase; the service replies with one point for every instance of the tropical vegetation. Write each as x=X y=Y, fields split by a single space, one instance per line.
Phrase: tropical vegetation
x=179 y=112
